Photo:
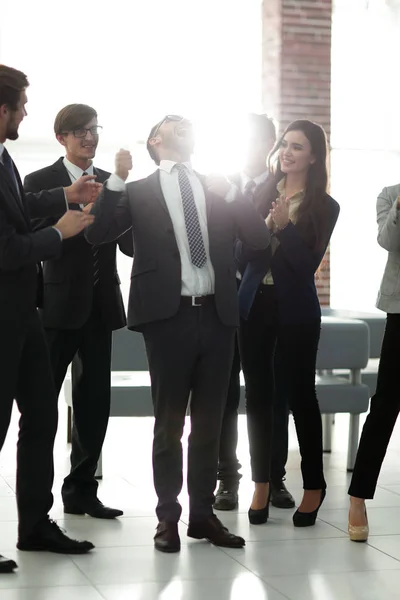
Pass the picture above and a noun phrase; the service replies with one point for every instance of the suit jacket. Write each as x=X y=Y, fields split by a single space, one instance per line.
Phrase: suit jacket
x=156 y=275
x=21 y=249
x=389 y=238
x=293 y=267
x=68 y=279
x=259 y=192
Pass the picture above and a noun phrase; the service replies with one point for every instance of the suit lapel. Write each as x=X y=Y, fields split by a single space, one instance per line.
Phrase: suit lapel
x=260 y=201
x=155 y=187
x=102 y=176
x=63 y=178
x=17 y=202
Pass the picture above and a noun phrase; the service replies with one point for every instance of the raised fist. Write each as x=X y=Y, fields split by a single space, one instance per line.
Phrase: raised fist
x=123 y=163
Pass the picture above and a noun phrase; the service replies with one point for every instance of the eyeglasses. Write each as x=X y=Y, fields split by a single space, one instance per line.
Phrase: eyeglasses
x=167 y=118
x=83 y=131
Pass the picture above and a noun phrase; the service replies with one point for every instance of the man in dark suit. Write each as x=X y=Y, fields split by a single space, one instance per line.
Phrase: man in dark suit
x=82 y=306
x=183 y=299
x=261 y=137
x=25 y=372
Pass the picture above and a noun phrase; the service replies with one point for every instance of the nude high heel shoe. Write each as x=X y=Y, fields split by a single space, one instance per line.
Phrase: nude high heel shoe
x=358 y=533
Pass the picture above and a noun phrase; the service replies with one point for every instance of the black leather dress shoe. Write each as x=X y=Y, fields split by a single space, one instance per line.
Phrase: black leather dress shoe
x=94 y=509
x=167 y=537
x=227 y=497
x=280 y=495
x=212 y=530
x=7 y=565
x=49 y=537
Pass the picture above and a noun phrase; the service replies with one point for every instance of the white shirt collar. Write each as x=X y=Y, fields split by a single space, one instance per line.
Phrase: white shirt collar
x=257 y=180
x=168 y=165
x=1 y=152
x=75 y=171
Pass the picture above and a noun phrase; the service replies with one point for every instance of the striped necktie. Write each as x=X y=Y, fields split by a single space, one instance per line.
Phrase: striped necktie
x=96 y=258
x=193 y=231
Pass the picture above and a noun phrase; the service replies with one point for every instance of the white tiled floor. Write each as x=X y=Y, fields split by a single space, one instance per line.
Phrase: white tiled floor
x=279 y=562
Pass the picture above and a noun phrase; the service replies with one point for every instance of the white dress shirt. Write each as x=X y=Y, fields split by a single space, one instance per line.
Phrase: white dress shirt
x=195 y=281
x=114 y=182
x=75 y=172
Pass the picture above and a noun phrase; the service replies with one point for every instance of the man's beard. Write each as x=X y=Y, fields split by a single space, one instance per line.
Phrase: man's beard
x=180 y=145
x=12 y=131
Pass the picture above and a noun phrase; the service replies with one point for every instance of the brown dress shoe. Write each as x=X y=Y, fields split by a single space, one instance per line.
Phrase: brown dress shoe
x=167 y=537
x=212 y=530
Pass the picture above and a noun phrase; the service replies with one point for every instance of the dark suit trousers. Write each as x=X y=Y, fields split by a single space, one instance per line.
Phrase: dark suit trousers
x=385 y=407
x=25 y=374
x=228 y=465
x=89 y=350
x=278 y=360
x=190 y=355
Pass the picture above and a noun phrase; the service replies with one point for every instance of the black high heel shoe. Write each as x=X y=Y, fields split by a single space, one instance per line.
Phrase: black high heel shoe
x=307 y=519
x=260 y=516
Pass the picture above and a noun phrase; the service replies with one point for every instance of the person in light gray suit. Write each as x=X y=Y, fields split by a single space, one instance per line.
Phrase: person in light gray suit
x=385 y=404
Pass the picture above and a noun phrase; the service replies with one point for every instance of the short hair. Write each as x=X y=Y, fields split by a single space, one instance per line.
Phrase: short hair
x=73 y=116
x=12 y=83
x=263 y=126
x=151 y=149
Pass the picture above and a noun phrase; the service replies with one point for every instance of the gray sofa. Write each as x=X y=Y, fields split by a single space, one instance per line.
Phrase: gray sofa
x=345 y=377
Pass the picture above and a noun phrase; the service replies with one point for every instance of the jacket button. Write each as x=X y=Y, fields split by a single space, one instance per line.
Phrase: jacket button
x=170 y=230
x=175 y=254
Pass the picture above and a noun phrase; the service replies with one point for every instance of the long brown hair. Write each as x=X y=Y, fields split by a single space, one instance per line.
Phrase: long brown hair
x=312 y=213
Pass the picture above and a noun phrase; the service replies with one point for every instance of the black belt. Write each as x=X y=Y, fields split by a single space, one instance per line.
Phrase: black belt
x=197 y=300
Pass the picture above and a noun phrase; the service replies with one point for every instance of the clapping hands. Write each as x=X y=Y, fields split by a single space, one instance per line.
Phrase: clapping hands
x=280 y=212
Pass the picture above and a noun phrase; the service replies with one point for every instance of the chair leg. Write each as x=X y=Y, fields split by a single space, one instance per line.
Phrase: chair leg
x=353 y=442
x=69 y=425
x=327 y=433
x=99 y=470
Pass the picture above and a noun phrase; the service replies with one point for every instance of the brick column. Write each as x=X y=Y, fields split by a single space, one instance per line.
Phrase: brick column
x=296 y=73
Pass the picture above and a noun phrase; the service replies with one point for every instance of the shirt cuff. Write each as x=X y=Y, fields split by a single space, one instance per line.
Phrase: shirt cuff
x=231 y=195
x=66 y=201
x=115 y=183
x=59 y=233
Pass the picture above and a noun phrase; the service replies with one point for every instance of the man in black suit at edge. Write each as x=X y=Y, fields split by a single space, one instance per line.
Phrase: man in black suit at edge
x=82 y=306
x=183 y=299
x=25 y=371
x=252 y=180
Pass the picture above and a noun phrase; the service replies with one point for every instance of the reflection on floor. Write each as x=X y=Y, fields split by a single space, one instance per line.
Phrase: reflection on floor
x=279 y=562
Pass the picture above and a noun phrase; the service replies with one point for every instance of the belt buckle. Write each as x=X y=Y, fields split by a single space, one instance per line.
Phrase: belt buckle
x=194 y=301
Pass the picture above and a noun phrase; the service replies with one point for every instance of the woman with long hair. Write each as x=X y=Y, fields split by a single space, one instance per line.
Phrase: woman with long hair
x=281 y=315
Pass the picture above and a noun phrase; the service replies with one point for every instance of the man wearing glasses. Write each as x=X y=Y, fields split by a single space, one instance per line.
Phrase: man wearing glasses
x=82 y=306
x=183 y=299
